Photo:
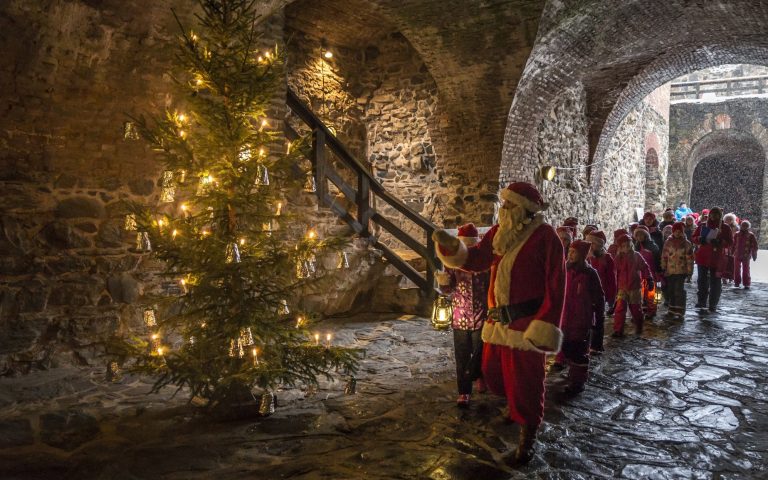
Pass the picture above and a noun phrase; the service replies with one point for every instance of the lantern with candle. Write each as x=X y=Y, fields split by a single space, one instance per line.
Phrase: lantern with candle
x=442 y=313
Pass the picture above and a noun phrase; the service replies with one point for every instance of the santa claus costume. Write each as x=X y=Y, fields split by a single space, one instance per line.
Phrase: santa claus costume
x=469 y=299
x=603 y=263
x=527 y=265
x=584 y=305
x=745 y=248
x=631 y=273
x=613 y=249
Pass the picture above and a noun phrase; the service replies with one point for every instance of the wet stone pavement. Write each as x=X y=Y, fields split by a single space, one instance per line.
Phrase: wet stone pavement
x=687 y=400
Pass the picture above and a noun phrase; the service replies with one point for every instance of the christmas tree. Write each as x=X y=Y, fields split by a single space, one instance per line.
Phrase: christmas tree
x=224 y=228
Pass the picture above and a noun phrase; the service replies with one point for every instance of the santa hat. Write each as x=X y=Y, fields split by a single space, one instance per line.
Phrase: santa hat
x=597 y=236
x=705 y=211
x=525 y=195
x=571 y=222
x=678 y=226
x=649 y=214
x=563 y=230
x=469 y=230
x=623 y=239
x=618 y=233
x=695 y=216
x=581 y=247
x=588 y=229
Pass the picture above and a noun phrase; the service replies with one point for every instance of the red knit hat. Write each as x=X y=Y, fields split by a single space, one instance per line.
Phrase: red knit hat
x=623 y=239
x=618 y=233
x=678 y=226
x=597 y=236
x=468 y=230
x=571 y=222
x=705 y=211
x=525 y=195
x=695 y=216
x=581 y=247
x=649 y=214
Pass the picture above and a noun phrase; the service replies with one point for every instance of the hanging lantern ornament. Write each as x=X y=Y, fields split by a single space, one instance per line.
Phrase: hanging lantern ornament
x=130 y=222
x=310 y=186
x=245 y=154
x=204 y=185
x=657 y=296
x=442 y=313
x=168 y=191
x=262 y=175
x=113 y=372
x=232 y=253
x=266 y=227
x=142 y=242
x=343 y=261
x=351 y=387
x=246 y=337
x=283 y=308
x=268 y=404
x=149 y=317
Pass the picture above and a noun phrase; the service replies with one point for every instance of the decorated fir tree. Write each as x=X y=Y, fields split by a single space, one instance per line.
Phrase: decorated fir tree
x=224 y=228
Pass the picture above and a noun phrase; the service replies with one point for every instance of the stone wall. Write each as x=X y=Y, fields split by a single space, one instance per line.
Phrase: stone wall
x=562 y=142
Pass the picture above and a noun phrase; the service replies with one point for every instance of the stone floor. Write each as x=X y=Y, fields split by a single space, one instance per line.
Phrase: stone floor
x=685 y=400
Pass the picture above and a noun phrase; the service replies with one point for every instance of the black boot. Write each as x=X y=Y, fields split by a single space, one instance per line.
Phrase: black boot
x=524 y=452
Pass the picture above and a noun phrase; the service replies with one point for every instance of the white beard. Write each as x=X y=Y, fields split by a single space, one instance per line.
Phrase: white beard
x=512 y=223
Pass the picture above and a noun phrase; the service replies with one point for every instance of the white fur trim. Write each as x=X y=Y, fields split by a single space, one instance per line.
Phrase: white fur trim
x=457 y=260
x=497 y=333
x=540 y=336
x=503 y=281
x=518 y=199
x=544 y=336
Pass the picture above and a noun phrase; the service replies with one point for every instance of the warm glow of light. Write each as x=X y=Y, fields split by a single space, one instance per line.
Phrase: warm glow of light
x=264 y=123
x=155 y=336
x=328 y=54
x=181 y=118
x=268 y=54
x=205 y=232
x=184 y=207
x=312 y=234
x=299 y=321
x=182 y=134
x=242 y=241
x=262 y=152
x=279 y=208
x=160 y=350
x=260 y=59
x=198 y=81
x=288 y=148
x=161 y=223
x=174 y=233
x=183 y=282
x=193 y=36
x=317 y=339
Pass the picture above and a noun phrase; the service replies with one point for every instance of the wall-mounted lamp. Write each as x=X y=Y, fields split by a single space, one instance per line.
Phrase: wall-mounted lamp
x=328 y=54
x=548 y=172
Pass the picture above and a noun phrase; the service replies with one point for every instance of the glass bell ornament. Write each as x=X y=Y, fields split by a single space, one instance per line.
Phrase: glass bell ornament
x=232 y=253
x=310 y=186
x=343 y=263
x=262 y=175
x=149 y=318
x=142 y=242
x=267 y=404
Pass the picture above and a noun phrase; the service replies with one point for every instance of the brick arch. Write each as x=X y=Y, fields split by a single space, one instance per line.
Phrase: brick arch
x=606 y=47
x=707 y=142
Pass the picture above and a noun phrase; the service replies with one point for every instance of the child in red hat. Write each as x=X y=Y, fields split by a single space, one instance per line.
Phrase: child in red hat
x=584 y=302
x=651 y=253
x=603 y=263
x=677 y=263
x=631 y=273
x=565 y=233
x=469 y=298
x=613 y=249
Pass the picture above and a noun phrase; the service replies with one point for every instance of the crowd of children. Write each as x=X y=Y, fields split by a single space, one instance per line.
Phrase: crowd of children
x=648 y=263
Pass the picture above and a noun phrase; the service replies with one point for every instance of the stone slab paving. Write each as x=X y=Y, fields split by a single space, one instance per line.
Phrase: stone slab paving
x=687 y=400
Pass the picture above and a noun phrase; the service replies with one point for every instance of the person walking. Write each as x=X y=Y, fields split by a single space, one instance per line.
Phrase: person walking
x=711 y=237
x=469 y=298
x=677 y=263
x=745 y=249
x=682 y=211
x=631 y=273
x=603 y=263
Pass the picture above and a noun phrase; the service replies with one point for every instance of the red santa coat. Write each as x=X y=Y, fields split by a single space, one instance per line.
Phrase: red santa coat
x=584 y=302
x=631 y=269
x=708 y=255
x=744 y=245
x=535 y=270
x=606 y=270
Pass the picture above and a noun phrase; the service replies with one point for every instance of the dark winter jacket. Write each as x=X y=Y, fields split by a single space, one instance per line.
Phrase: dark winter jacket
x=712 y=239
x=584 y=302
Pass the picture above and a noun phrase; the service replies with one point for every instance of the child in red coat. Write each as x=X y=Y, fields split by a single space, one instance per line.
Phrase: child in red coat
x=745 y=248
x=631 y=273
x=584 y=302
x=602 y=261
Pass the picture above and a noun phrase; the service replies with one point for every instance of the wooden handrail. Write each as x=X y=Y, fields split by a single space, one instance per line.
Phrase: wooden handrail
x=366 y=183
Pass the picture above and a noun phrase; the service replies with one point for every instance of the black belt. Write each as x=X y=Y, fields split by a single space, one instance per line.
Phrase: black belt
x=510 y=313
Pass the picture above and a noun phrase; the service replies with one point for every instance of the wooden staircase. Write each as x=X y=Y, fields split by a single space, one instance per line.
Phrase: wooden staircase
x=361 y=195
